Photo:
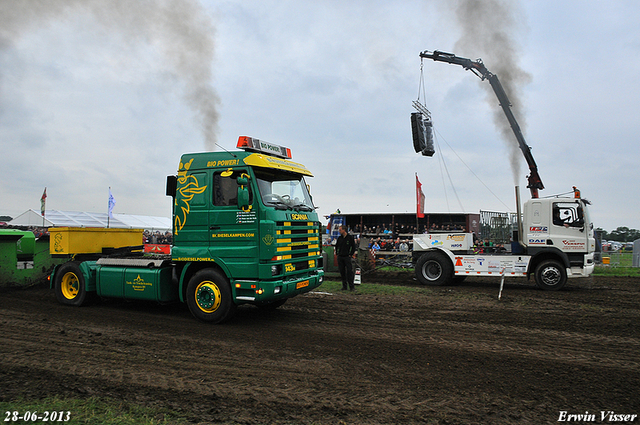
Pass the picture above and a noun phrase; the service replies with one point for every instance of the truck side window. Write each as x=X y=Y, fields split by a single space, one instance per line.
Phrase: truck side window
x=567 y=214
x=225 y=190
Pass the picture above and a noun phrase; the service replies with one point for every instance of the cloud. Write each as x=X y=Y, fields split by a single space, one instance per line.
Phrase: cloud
x=180 y=30
x=83 y=108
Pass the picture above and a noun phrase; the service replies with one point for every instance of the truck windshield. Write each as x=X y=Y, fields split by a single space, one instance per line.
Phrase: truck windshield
x=587 y=219
x=283 y=190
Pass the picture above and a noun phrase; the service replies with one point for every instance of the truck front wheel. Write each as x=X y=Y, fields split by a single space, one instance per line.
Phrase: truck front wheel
x=550 y=275
x=209 y=297
x=434 y=268
x=70 y=286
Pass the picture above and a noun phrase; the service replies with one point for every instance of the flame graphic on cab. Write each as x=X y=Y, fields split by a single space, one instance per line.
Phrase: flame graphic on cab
x=188 y=187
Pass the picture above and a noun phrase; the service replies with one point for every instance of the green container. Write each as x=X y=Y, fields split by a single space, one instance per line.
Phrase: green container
x=25 y=242
x=26 y=247
x=136 y=283
x=24 y=260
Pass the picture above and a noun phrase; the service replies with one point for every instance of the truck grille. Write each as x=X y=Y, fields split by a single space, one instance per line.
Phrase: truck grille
x=298 y=244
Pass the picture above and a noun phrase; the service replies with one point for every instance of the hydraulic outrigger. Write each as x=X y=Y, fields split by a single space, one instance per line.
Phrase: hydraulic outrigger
x=478 y=68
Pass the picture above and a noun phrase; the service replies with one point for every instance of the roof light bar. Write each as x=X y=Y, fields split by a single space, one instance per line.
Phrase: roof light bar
x=255 y=145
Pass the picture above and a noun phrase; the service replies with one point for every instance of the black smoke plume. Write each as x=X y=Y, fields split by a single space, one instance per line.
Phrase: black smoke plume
x=489 y=28
x=180 y=29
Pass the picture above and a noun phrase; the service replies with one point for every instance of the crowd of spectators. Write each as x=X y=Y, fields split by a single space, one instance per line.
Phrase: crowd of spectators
x=446 y=227
x=404 y=230
x=390 y=245
x=39 y=231
x=157 y=237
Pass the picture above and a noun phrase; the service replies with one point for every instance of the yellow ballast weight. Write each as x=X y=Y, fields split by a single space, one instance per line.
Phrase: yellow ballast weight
x=91 y=240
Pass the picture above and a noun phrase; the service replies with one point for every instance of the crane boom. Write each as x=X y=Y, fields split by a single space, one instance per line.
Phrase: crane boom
x=478 y=68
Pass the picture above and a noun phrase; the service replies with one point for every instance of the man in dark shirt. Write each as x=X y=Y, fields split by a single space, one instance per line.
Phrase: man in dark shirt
x=345 y=250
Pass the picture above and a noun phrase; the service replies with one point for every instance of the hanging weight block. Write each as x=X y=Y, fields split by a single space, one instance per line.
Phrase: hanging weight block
x=422 y=131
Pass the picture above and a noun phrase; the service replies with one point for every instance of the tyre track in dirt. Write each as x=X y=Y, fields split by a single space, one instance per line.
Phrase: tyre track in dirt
x=123 y=356
x=543 y=344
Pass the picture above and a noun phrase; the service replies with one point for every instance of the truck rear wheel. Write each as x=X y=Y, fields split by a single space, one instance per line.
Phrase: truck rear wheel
x=550 y=275
x=70 y=286
x=209 y=297
x=434 y=268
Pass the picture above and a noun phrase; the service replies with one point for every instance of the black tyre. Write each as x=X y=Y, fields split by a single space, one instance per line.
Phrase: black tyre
x=434 y=268
x=209 y=297
x=69 y=285
x=550 y=275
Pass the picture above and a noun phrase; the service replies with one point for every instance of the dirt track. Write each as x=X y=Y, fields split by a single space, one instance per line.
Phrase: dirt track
x=453 y=355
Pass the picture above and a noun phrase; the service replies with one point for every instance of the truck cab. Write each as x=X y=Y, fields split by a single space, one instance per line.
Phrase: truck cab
x=560 y=228
x=245 y=229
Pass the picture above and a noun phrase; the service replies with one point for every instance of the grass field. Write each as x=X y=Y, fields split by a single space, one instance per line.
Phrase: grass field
x=93 y=410
x=620 y=265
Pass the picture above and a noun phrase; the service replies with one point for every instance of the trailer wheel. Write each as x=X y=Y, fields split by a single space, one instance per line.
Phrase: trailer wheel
x=434 y=268
x=209 y=297
x=70 y=286
x=550 y=275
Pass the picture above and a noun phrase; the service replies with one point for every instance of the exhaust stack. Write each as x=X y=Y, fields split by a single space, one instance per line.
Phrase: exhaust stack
x=519 y=213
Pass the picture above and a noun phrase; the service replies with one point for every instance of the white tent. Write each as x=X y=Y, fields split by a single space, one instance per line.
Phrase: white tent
x=53 y=218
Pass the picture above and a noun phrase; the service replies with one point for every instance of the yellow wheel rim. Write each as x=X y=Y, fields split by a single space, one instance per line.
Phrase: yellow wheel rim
x=70 y=285
x=208 y=296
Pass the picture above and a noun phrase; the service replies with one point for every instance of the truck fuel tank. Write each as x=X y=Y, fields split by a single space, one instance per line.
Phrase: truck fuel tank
x=122 y=278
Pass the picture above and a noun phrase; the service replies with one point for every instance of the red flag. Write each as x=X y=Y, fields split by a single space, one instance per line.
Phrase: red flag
x=420 y=198
x=42 y=201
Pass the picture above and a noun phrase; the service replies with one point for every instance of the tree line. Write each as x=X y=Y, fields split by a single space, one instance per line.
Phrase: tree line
x=621 y=234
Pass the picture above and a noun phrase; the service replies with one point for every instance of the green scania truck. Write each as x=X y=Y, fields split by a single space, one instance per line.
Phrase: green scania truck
x=245 y=231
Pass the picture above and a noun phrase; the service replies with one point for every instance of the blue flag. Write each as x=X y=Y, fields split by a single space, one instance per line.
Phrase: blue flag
x=112 y=203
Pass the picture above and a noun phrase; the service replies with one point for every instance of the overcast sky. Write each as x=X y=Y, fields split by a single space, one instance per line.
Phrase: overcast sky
x=98 y=94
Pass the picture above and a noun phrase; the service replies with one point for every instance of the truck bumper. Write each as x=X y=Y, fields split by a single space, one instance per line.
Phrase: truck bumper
x=268 y=291
x=589 y=266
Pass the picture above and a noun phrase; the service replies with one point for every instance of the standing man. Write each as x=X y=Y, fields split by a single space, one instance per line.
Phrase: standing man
x=345 y=250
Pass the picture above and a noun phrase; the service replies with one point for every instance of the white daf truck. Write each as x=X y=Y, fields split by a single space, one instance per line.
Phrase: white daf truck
x=557 y=242
x=555 y=237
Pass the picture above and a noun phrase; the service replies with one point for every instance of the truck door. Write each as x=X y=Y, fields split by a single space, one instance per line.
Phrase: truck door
x=191 y=221
x=569 y=232
x=233 y=230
